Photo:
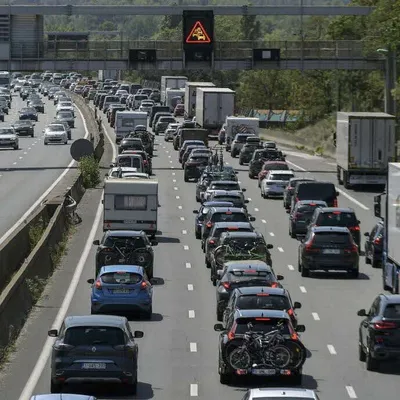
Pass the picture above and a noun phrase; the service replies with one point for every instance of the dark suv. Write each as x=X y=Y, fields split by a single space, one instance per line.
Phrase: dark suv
x=301 y=215
x=290 y=188
x=94 y=349
x=374 y=245
x=325 y=191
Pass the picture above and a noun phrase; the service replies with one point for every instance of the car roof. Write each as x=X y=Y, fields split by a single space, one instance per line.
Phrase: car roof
x=226 y=209
x=231 y=193
x=246 y=291
x=251 y=264
x=391 y=298
x=253 y=235
x=95 y=320
x=315 y=183
x=282 y=172
x=333 y=229
x=282 y=392
x=225 y=182
x=125 y=233
x=261 y=313
x=305 y=202
x=135 y=269
x=333 y=209
x=229 y=224
x=62 y=396
x=218 y=204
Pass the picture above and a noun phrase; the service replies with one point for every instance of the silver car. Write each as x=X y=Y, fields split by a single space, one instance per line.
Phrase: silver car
x=146 y=106
x=275 y=182
x=55 y=133
x=66 y=116
x=280 y=393
x=9 y=138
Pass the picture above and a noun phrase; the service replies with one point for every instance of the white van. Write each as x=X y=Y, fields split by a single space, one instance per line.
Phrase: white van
x=129 y=160
x=131 y=204
x=127 y=121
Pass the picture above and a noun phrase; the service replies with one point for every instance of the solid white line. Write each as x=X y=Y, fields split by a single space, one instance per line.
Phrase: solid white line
x=272 y=234
x=351 y=392
x=188 y=265
x=46 y=193
x=184 y=232
x=331 y=349
x=315 y=316
x=193 y=347
x=182 y=218
x=263 y=221
x=194 y=389
x=303 y=289
x=190 y=287
x=280 y=249
x=185 y=247
x=256 y=209
x=291 y=267
x=192 y=314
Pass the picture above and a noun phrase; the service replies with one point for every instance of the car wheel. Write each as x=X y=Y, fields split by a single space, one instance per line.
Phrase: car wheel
x=16 y=147
x=33 y=135
x=298 y=266
x=66 y=142
x=354 y=273
x=220 y=316
x=55 y=387
x=186 y=179
x=149 y=313
x=225 y=379
x=367 y=259
x=374 y=263
x=131 y=388
x=198 y=235
x=92 y=311
x=305 y=272
x=372 y=364
x=361 y=353
x=208 y=264
x=240 y=162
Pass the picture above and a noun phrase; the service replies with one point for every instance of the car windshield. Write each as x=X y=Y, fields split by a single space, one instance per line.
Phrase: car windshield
x=337 y=218
x=229 y=217
x=56 y=128
x=262 y=325
x=307 y=209
x=6 y=131
x=121 y=277
x=265 y=301
x=91 y=335
x=135 y=241
x=64 y=115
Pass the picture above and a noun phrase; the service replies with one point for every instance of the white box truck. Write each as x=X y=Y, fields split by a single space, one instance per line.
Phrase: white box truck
x=127 y=121
x=365 y=144
x=190 y=96
x=213 y=105
x=171 y=95
x=235 y=125
x=131 y=204
x=104 y=74
x=171 y=82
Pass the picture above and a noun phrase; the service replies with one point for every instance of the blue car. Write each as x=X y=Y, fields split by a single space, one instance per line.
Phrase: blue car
x=122 y=289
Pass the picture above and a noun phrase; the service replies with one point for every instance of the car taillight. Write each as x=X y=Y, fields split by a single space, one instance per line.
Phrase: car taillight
x=353 y=249
x=310 y=248
x=378 y=240
x=231 y=335
x=226 y=285
x=97 y=285
x=275 y=285
x=209 y=225
x=144 y=285
x=384 y=325
x=335 y=203
x=211 y=241
x=145 y=162
x=297 y=215
x=290 y=312
x=297 y=199
x=290 y=188
x=354 y=228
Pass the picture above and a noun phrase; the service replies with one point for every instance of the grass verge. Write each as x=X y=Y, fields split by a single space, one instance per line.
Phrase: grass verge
x=36 y=232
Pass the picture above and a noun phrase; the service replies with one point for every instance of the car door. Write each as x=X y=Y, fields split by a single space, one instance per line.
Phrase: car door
x=369 y=241
x=373 y=312
x=229 y=307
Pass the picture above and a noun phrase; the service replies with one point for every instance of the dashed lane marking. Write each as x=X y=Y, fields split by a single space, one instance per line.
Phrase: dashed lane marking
x=169 y=156
x=351 y=392
x=175 y=188
x=180 y=207
x=315 y=316
x=303 y=289
x=182 y=218
x=174 y=180
x=256 y=209
x=190 y=287
x=272 y=234
x=188 y=265
x=291 y=267
x=173 y=173
x=14 y=163
x=280 y=249
x=170 y=161
x=185 y=247
x=184 y=232
x=25 y=153
x=194 y=390
x=192 y=314
x=21 y=158
x=29 y=148
x=177 y=197
x=263 y=221
x=193 y=347
x=331 y=349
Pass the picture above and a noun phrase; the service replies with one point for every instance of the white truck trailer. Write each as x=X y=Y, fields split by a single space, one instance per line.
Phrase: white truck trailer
x=171 y=95
x=235 y=125
x=365 y=144
x=171 y=82
x=127 y=121
x=190 y=96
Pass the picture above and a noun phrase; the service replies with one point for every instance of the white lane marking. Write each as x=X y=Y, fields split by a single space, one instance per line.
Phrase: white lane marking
x=182 y=218
x=29 y=148
x=174 y=180
x=25 y=153
x=190 y=287
x=192 y=314
x=46 y=193
x=272 y=234
x=188 y=265
x=280 y=249
x=169 y=156
x=249 y=199
x=194 y=390
x=167 y=151
x=180 y=207
x=21 y=158
x=331 y=349
x=33 y=144
x=184 y=232
x=14 y=163
x=315 y=316
x=291 y=267
x=177 y=197
x=170 y=162
x=342 y=192
x=226 y=162
x=256 y=209
x=173 y=173
x=303 y=289
x=193 y=347
x=263 y=221
x=351 y=392
x=175 y=188
x=185 y=247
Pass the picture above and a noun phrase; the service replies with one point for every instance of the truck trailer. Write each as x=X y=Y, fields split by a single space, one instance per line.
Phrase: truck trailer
x=171 y=82
x=190 y=96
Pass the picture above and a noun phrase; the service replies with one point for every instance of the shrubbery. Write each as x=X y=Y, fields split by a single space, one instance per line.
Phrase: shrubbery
x=90 y=171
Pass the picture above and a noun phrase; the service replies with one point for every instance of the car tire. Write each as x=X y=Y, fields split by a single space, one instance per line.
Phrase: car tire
x=45 y=143
x=92 y=311
x=367 y=259
x=305 y=272
x=197 y=235
x=186 y=179
x=66 y=142
x=225 y=379
x=16 y=147
x=354 y=273
x=131 y=388
x=148 y=315
x=208 y=264
x=361 y=353
x=291 y=234
x=240 y=162
x=372 y=364
x=220 y=316
x=55 y=387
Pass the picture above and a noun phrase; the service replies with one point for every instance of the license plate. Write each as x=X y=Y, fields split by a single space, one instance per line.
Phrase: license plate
x=331 y=251
x=93 y=366
x=129 y=221
x=121 y=291
x=263 y=372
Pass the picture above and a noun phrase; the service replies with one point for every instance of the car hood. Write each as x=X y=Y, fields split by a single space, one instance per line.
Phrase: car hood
x=54 y=133
x=8 y=136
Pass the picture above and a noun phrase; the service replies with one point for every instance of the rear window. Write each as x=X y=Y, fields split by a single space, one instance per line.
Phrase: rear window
x=264 y=325
x=250 y=274
x=322 y=238
x=280 y=177
x=307 y=209
x=276 y=167
x=199 y=158
x=242 y=138
x=235 y=200
x=127 y=278
x=226 y=186
x=217 y=233
x=392 y=311
x=92 y=335
x=124 y=242
x=129 y=162
x=112 y=99
x=234 y=217
x=337 y=218
x=264 y=301
x=316 y=191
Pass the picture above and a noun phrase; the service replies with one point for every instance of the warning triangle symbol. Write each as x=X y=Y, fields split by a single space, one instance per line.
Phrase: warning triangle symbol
x=198 y=34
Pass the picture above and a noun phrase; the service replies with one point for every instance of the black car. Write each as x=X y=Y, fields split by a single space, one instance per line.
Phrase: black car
x=260 y=157
x=325 y=191
x=247 y=151
x=37 y=104
x=374 y=245
x=188 y=152
x=261 y=321
x=2 y=116
x=334 y=216
x=24 y=127
x=261 y=298
x=195 y=166
x=25 y=92
x=129 y=143
x=328 y=248
x=289 y=190
x=236 y=274
x=300 y=216
x=28 y=113
x=379 y=332
x=125 y=247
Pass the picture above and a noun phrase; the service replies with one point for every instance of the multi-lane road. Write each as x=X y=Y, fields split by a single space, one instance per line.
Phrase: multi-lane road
x=178 y=355
x=27 y=173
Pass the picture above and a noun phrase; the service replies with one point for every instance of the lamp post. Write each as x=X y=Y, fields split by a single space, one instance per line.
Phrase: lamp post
x=390 y=79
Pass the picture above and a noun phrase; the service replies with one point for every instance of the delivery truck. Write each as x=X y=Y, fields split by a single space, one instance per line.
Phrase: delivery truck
x=213 y=105
x=171 y=82
x=127 y=121
x=172 y=96
x=104 y=74
x=365 y=144
x=190 y=96
x=236 y=125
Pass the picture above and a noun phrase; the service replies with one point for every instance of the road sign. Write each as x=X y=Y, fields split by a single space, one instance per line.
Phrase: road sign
x=198 y=30
x=81 y=148
x=198 y=34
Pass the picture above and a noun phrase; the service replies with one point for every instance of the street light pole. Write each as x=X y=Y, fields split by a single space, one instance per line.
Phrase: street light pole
x=390 y=72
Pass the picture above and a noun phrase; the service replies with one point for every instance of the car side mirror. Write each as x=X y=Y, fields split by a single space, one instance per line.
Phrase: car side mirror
x=296 y=305
x=366 y=234
x=236 y=172
x=112 y=165
x=287 y=211
x=362 y=313
x=154 y=243
x=337 y=193
x=96 y=242
x=243 y=190
x=300 y=328
x=53 y=333
x=195 y=211
x=219 y=328
x=138 y=334
x=247 y=201
x=220 y=273
x=358 y=221
x=252 y=219
x=270 y=246
x=91 y=281
x=280 y=277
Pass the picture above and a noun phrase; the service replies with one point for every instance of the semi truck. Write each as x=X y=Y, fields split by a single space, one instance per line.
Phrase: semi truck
x=235 y=125
x=213 y=105
x=171 y=82
x=365 y=144
x=190 y=96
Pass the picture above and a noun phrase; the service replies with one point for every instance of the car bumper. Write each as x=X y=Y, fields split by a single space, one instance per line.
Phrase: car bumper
x=274 y=190
x=330 y=263
x=122 y=306
x=385 y=353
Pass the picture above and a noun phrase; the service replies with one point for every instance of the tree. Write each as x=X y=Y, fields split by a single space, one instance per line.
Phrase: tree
x=250 y=27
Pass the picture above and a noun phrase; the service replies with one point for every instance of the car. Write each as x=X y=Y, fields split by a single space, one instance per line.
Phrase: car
x=280 y=393
x=186 y=144
x=147 y=163
x=221 y=185
x=65 y=116
x=379 y=332
x=37 y=104
x=65 y=106
x=24 y=127
x=261 y=298
x=188 y=151
x=247 y=151
x=274 y=184
x=194 y=166
x=129 y=143
x=63 y=396
x=335 y=216
x=234 y=196
x=28 y=113
x=146 y=105
x=318 y=190
x=169 y=134
x=328 y=248
x=239 y=142
x=264 y=321
x=66 y=126
x=93 y=348
x=119 y=172
x=179 y=110
x=289 y=190
x=55 y=133
x=373 y=247
x=271 y=166
x=260 y=157
x=125 y=247
x=8 y=138
x=202 y=212
x=122 y=288
x=244 y=273
x=300 y=216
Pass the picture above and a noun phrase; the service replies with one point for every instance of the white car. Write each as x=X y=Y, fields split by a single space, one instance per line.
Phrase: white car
x=146 y=106
x=275 y=182
x=117 y=172
x=8 y=138
x=280 y=393
x=55 y=133
x=65 y=106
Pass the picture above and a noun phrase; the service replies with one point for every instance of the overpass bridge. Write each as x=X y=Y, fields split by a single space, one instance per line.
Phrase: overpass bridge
x=227 y=55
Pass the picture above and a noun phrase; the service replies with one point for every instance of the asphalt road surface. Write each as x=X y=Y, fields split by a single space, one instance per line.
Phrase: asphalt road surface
x=178 y=354
x=27 y=173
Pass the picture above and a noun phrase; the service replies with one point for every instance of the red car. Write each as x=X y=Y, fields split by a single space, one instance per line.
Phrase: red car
x=271 y=166
x=179 y=110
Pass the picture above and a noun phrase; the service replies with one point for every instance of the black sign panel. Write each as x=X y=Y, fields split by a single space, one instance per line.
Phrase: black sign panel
x=266 y=54
x=142 y=55
x=198 y=30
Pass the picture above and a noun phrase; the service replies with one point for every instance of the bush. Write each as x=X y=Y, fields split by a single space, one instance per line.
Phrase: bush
x=90 y=171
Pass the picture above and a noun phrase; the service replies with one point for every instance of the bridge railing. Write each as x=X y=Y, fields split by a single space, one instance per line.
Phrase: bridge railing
x=172 y=50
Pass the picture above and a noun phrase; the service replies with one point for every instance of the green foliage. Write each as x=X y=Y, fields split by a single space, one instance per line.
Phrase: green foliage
x=35 y=287
x=36 y=231
x=90 y=171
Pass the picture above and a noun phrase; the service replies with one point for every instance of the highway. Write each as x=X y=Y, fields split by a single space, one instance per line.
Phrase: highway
x=27 y=173
x=178 y=354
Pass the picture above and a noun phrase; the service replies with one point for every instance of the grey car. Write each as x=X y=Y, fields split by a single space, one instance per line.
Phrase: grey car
x=94 y=349
x=63 y=396
x=67 y=127
x=66 y=116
